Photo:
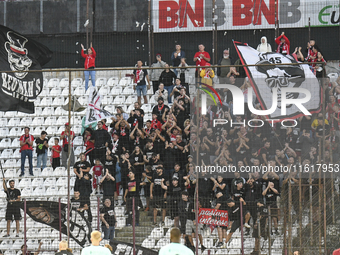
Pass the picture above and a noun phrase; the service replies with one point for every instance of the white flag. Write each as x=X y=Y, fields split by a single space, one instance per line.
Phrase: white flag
x=94 y=112
x=264 y=78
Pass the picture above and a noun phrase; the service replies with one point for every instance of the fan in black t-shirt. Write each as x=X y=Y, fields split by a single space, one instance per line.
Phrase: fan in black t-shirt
x=157 y=194
x=108 y=218
x=82 y=165
x=132 y=193
x=13 y=205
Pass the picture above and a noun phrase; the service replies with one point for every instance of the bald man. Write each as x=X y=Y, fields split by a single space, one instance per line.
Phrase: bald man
x=63 y=249
x=175 y=247
x=95 y=248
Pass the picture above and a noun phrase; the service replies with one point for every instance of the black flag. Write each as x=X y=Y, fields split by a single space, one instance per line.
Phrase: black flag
x=47 y=212
x=20 y=88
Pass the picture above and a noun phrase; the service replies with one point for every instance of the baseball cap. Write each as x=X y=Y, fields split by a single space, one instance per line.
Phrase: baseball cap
x=158 y=54
x=67 y=124
x=175 y=178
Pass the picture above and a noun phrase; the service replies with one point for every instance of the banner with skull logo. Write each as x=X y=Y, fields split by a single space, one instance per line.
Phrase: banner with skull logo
x=19 y=88
x=279 y=73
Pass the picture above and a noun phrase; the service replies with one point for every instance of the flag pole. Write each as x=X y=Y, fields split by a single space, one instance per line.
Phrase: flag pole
x=87 y=28
x=68 y=158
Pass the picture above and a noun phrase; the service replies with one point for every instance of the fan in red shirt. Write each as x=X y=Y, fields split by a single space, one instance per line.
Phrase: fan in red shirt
x=97 y=175
x=201 y=58
x=56 y=150
x=283 y=44
x=155 y=123
x=26 y=142
x=89 y=65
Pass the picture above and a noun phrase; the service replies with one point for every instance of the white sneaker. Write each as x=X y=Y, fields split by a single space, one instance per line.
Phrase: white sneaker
x=246 y=225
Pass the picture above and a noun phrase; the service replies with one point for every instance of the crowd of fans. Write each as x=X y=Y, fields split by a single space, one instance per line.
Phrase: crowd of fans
x=157 y=158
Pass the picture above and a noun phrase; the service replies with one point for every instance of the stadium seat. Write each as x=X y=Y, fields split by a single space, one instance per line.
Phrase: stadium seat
x=50 y=121
x=37 y=131
x=32 y=244
x=76 y=82
x=131 y=100
x=39 y=191
x=333 y=77
x=16 y=132
x=58 y=101
x=36 y=171
x=10 y=163
x=62 y=120
x=107 y=100
x=147 y=116
x=37 y=111
x=54 y=82
x=56 y=91
x=79 y=150
x=78 y=141
x=116 y=90
x=147 y=108
x=60 y=171
x=45 y=92
x=149 y=243
x=125 y=81
x=64 y=92
x=52 y=130
x=6 y=245
x=37 y=182
x=119 y=100
x=79 y=91
x=76 y=129
x=26 y=192
x=44 y=232
x=46 y=101
x=100 y=82
x=48 y=111
x=83 y=100
x=26 y=122
x=113 y=81
x=62 y=181
x=16 y=153
x=60 y=111
x=130 y=108
x=121 y=222
x=104 y=91
x=17 y=244
x=37 y=121
x=3 y=122
x=157 y=233
x=15 y=143
x=63 y=191
x=52 y=191
x=4 y=132
x=128 y=90
x=47 y=171
x=13 y=122
x=11 y=173
x=5 y=143
x=64 y=83
x=32 y=232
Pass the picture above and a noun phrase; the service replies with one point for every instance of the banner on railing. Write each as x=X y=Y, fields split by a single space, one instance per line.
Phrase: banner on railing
x=213 y=217
x=47 y=212
x=193 y=15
